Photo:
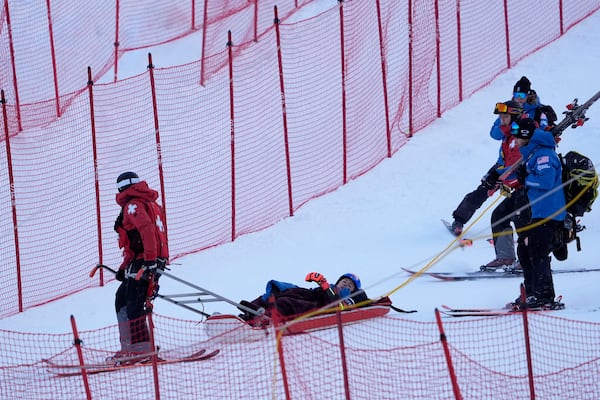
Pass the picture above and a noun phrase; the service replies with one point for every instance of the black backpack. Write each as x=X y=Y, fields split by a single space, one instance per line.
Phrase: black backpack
x=580 y=184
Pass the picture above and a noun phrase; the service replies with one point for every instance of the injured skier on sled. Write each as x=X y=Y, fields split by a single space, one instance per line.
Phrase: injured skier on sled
x=289 y=299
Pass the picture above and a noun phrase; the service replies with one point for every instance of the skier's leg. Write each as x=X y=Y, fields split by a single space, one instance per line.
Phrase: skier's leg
x=469 y=204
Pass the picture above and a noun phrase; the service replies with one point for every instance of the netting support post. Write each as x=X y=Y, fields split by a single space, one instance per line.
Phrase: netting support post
x=527 y=343
x=161 y=175
x=14 y=66
x=507 y=34
x=154 y=355
x=193 y=16
x=116 y=43
x=284 y=114
x=90 y=85
x=560 y=13
x=77 y=343
x=344 y=117
x=444 y=341
x=53 y=54
x=340 y=330
x=459 y=52
x=279 y=331
x=388 y=132
x=410 y=69
x=232 y=132
x=13 y=201
x=255 y=22
x=203 y=50
x=438 y=66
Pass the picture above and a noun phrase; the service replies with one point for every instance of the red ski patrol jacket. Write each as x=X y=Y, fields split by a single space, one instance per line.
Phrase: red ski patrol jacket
x=142 y=234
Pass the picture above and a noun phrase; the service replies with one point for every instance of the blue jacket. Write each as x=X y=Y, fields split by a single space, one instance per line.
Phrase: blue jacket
x=544 y=174
x=530 y=109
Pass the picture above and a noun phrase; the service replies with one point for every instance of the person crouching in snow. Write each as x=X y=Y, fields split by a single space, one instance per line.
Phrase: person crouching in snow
x=289 y=299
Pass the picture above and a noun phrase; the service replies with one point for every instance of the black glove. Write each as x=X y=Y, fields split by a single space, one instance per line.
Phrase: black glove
x=150 y=265
x=120 y=275
x=490 y=179
x=161 y=263
x=521 y=173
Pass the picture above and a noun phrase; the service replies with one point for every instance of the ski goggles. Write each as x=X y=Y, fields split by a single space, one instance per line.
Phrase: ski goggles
x=514 y=128
x=519 y=95
x=502 y=108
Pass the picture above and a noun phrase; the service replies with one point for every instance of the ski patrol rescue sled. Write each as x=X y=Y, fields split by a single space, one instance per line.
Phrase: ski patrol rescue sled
x=231 y=328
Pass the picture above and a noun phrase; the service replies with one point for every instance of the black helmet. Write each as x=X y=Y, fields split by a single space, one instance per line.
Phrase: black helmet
x=127 y=179
x=524 y=129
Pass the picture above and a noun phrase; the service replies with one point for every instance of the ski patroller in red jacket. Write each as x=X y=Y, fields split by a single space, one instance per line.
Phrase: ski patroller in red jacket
x=141 y=229
x=508 y=152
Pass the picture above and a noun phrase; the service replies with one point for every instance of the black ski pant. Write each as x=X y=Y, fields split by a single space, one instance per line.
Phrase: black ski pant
x=470 y=203
x=534 y=247
x=130 y=301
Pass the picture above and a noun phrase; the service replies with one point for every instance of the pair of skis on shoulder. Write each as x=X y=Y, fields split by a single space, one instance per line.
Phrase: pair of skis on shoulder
x=66 y=370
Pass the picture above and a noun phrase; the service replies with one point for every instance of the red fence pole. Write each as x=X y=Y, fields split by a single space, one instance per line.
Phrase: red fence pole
x=203 y=50
x=344 y=122
x=13 y=203
x=453 y=380
x=53 y=54
x=410 y=69
x=437 y=58
x=276 y=320
x=388 y=132
x=459 y=50
x=193 y=15
x=256 y=20
x=284 y=114
x=90 y=85
x=561 y=16
x=527 y=344
x=232 y=133
x=161 y=175
x=116 y=44
x=507 y=34
x=14 y=67
x=154 y=356
x=77 y=343
x=340 y=330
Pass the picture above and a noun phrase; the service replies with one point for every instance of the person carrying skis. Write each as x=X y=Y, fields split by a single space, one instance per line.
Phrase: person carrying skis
x=289 y=299
x=142 y=237
x=541 y=174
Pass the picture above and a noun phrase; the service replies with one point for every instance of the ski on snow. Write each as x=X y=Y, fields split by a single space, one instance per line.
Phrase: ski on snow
x=468 y=276
x=493 y=312
x=62 y=370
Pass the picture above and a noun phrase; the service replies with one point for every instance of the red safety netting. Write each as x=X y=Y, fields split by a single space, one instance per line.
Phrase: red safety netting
x=273 y=127
x=47 y=46
x=384 y=358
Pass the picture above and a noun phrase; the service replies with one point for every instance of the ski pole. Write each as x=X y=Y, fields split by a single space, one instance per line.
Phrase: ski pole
x=161 y=296
x=202 y=291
